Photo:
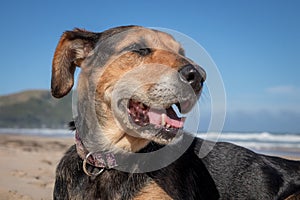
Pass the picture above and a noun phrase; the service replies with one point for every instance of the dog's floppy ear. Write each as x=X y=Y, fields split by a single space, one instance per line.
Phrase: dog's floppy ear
x=73 y=47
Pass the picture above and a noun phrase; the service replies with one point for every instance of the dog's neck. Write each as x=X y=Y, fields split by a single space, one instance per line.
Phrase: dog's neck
x=103 y=159
x=97 y=159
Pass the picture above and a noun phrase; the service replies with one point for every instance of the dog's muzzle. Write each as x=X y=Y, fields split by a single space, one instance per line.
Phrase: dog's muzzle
x=155 y=107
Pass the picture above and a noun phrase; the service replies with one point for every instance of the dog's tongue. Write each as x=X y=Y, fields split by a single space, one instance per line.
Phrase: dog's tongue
x=165 y=117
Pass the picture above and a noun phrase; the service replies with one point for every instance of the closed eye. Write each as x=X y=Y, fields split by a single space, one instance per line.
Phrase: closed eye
x=143 y=51
x=139 y=49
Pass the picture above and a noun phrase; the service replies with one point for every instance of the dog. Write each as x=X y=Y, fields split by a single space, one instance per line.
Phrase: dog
x=129 y=141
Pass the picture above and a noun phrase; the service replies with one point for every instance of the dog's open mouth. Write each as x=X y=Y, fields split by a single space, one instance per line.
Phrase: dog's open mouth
x=165 y=121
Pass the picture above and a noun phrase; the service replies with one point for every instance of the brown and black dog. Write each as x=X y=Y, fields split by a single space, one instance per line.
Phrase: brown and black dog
x=133 y=85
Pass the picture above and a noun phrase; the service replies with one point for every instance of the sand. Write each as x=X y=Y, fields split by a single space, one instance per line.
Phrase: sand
x=28 y=165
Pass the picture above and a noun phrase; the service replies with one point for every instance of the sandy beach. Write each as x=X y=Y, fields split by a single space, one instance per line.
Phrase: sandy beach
x=28 y=165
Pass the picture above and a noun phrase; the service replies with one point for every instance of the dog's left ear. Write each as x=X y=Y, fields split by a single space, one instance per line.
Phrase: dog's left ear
x=73 y=47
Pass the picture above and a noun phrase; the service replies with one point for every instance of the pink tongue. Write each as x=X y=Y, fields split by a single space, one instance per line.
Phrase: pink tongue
x=175 y=123
x=155 y=117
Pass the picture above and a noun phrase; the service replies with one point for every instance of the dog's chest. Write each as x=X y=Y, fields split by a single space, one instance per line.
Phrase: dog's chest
x=124 y=186
x=152 y=191
x=113 y=184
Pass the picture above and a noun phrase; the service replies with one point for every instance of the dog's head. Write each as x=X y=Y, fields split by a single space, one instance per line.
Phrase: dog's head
x=133 y=85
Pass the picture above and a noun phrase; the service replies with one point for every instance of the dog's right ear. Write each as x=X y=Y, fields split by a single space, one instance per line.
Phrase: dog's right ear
x=73 y=47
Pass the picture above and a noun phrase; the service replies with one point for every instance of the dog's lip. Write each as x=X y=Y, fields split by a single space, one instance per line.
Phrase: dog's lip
x=161 y=134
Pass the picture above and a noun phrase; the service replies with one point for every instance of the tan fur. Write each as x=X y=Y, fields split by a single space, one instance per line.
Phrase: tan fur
x=154 y=39
x=72 y=51
x=62 y=69
x=122 y=140
x=294 y=196
x=152 y=192
x=68 y=54
x=112 y=73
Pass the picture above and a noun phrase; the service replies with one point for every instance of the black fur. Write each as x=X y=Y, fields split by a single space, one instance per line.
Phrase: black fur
x=242 y=174
x=227 y=172
x=186 y=178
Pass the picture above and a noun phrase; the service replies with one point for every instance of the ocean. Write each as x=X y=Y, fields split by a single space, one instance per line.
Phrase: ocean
x=38 y=132
x=264 y=142
x=282 y=144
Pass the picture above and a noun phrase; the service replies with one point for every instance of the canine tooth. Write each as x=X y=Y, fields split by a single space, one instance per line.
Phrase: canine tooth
x=168 y=126
x=163 y=121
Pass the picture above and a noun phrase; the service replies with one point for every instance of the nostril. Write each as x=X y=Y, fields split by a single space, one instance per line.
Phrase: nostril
x=191 y=77
x=190 y=74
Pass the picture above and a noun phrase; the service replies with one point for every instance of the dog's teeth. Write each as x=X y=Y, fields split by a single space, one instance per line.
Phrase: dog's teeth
x=168 y=126
x=163 y=121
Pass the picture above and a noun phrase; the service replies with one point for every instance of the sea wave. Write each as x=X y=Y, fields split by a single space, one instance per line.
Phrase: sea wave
x=38 y=131
x=263 y=140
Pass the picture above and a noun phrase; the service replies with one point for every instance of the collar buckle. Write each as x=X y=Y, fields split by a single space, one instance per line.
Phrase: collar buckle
x=100 y=160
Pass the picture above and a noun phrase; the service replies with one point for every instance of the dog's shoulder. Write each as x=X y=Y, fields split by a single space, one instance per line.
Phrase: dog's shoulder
x=234 y=169
x=186 y=177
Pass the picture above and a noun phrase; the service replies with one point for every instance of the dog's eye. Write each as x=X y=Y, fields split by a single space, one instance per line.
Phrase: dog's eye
x=143 y=51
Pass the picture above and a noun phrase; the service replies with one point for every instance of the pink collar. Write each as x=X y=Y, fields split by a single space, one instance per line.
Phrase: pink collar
x=102 y=160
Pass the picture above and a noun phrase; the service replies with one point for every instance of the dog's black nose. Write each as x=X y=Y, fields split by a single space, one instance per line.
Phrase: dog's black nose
x=194 y=75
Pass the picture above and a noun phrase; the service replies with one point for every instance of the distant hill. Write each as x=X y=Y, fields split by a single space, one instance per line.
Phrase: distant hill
x=35 y=109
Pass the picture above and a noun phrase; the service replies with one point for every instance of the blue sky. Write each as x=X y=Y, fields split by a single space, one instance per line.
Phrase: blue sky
x=255 y=44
